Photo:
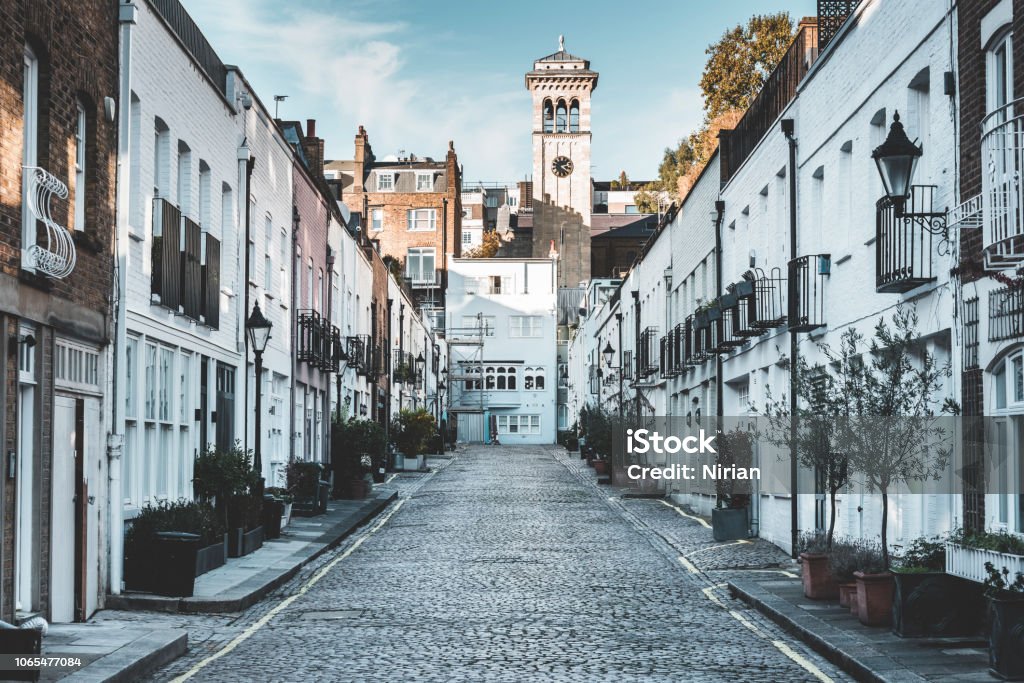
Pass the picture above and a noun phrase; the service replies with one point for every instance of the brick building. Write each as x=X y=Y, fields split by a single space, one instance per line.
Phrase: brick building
x=412 y=206
x=57 y=145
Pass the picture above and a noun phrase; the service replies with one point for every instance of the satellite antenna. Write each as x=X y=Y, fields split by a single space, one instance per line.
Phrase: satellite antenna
x=346 y=213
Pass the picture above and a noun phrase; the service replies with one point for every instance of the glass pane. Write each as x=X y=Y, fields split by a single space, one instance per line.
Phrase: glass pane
x=166 y=362
x=150 y=380
x=1018 y=379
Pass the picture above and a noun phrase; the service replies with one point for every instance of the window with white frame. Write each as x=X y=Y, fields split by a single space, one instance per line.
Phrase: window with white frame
x=424 y=182
x=491 y=202
x=80 y=167
x=29 y=141
x=376 y=219
x=524 y=326
x=533 y=379
x=268 y=265
x=499 y=284
x=184 y=188
x=419 y=264
x=421 y=219
x=500 y=377
x=999 y=71
x=467 y=237
x=204 y=195
x=518 y=424
x=282 y=259
x=385 y=182
x=76 y=367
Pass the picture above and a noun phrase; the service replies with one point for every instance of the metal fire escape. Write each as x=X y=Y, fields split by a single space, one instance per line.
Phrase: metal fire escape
x=466 y=367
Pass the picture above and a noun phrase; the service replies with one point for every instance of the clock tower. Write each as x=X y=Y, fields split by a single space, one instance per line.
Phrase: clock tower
x=560 y=85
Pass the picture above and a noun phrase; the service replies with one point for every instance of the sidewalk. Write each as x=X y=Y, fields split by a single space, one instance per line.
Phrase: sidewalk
x=869 y=653
x=244 y=581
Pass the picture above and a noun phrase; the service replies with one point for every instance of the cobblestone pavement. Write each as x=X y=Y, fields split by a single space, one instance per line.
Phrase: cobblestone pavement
x=509 y=564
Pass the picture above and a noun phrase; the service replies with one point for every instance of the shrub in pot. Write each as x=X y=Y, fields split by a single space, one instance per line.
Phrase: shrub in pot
x=730 y=517
x=844 y=558
x=410 y=432
x=927 y=601
x=303 y=482
x=220 y=477
x=815 y=574
x=874 y=587
x=1006 y=622
x=144 y=553
x=355 y=446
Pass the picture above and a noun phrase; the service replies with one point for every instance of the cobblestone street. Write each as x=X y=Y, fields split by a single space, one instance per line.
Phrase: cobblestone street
x=508 y=564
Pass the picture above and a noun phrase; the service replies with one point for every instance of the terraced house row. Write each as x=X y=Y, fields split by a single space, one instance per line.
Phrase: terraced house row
x=877 y=170
x=151 y=207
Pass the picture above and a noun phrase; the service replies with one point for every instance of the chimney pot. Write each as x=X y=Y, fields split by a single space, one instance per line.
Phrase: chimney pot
x=310 y=128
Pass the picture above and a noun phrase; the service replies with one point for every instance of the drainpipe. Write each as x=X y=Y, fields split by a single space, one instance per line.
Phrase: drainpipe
x=788 y=128
x=636 y=349
x=244 y=157
x=293 y=315
x=330 y=321
x=622 y=367
x=127 y=17
x=719 y=400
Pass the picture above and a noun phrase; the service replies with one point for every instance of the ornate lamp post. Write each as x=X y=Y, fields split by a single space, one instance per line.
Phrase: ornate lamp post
x=896 y=159
x=258 y=328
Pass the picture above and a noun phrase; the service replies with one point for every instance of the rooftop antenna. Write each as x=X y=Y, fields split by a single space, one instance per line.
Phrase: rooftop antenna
x=278 y=99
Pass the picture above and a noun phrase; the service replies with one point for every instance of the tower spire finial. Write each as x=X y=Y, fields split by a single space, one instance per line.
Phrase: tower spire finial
x=561 y=43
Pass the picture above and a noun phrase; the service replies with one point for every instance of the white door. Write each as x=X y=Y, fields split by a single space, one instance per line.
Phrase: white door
x=62 y=512
x=93 y=482
x=25 y=551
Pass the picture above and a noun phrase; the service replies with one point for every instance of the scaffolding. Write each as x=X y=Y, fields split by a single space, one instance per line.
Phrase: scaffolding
x=466 y=378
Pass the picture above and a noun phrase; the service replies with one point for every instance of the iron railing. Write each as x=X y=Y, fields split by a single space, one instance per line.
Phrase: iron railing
x=165 y=274
x=192 y=269
x=832 y=14
x=1005 y=314
x=310 y=338
x=807 y=291
x=424 y=280
x=357 y=354
x=768 y=293
x=193 y=40
x=648 y=353
x=903 y=247
x=971 y=341
x=1002 y=201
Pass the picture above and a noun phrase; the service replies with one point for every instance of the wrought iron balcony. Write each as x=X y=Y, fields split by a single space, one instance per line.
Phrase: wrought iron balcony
x=903 y=246
x=357 y=354
x=726 y=337
x=404 y=369
x=57 y=259
x=669 y=367
x=1005 y=314
x=807 y=276
x=1002 y=192
x=768 y=294
x=425 y=280
x=165 y=274
x=744 y=310
x=703 y=338
x=310 y=338
x=648 y=357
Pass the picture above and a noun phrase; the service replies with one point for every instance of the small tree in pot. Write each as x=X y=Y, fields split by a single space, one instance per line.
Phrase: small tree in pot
x=226 y=480
x=355 y=445
x=730 y=517
x=410 y=432
x=1006 y=614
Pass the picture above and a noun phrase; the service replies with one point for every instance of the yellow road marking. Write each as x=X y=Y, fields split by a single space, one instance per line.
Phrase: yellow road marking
x=715 y=547
x=265 y=619
x=388 y=480
x=782 y=647
x=695 y=518
x=689 y=565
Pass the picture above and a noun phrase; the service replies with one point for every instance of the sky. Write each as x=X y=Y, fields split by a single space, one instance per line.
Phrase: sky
x=417 y=74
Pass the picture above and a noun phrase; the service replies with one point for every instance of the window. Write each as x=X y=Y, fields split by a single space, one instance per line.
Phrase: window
x=30 y=138
x=377 y=219
x=467 y=237
x=184 y=178
x=533 y=379
x=491 y=202
x=149 y=383
x=131 y=353
x=999 y=71
x=421 y=219
x=268 y=275
x=518 y=424
x=419 y=264
x=385 y=182
x=424 y=182
x=227 y=210
x=282 y=259
x=204 y=195
x=513 y=201
x=309 y=283
x=574 y=117
x=549 y=117
x=161 y=158
x=524 y=326
x=135 y=167
x=320 y=302
x=499 y=284
x=268 y=245
x=80 y=168
x=631 y=208
x=561 y=122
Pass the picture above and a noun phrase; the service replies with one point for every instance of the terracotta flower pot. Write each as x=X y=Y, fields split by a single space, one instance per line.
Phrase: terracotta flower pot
x=601 y=467
x=847 y=593
x=874 y=598
x=817 y=577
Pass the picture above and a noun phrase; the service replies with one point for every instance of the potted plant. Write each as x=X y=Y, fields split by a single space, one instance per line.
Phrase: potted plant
x=285 y=496
x=927 y=601
x=304 y=484
x=730 y=517
x=1006 y=622
x=815 y=573
x=355 y=445
x=410 y=431
x=874 y=587
x=224 y=479
x=843 y=559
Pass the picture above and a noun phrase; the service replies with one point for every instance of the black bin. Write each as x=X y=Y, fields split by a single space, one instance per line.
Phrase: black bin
x=273 y=510
x=20 y=641
x=176 y=570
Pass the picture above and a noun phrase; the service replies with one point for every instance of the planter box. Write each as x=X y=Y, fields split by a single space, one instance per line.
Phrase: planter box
x=817 y=577
x=600 y=467
x=252 y=541
x=235 y=542
x=305 y=507
x=847 y=594
x=969 y=563
x=1005 y=654
x=355 y=489
x=936 y=605
x=874 y=598
x=729 y=524
x=211 y=557
x=24 y=642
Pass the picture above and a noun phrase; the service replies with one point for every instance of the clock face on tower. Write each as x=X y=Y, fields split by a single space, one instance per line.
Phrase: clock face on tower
x=561 y=166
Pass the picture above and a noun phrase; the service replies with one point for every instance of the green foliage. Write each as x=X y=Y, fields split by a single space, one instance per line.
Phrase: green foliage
x=812 y=543
x=999 y=541
x=489 y=246
x=998 y=584
x=218 y=475
x=742 y=59
x=394 y=267
x=280 y=493
x=189 y=516
x=596 y=425
x=303 y=478
x=735 y=448
x=350 y=442
x=849 y=556
x=411 y=429
x=923 y=555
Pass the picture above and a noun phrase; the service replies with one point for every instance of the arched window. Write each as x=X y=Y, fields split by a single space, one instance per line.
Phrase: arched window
x=512 y=378
x=538 y=378
x=560 y=118
x=574 y=117
x=549 y=117
x=528 y=379
x=490 y=378
x=502 y=379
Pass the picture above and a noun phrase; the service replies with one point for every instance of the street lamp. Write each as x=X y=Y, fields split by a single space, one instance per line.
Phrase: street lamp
x=896 y=159
x=609 y=354
x=258 y=328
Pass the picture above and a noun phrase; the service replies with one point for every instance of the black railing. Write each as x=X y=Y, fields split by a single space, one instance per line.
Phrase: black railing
x=648 y=356
x=726 y=333
x=310 y=336
x=194 y=41
x=903 y=247
x=403 y=368
x=1005 y=314
x=192 y=270
x=627 y=365
x=165 y=279
x=744 y=310
x=807 y=291
x=832 y=14
x=356 y=354
x=768 y=294
x=775 y=95
x=669 y=366
x=971 y=341
x=703 y=338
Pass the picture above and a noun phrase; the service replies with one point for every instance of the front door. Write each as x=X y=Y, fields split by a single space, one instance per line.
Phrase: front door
x=225 y=407
x=64 y=534
x=25 y=572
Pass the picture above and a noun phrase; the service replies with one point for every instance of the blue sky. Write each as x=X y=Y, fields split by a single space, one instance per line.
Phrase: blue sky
x=418 y=74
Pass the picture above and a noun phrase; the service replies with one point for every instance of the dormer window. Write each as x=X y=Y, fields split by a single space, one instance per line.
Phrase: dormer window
x=385 y=182
x=424 y=182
